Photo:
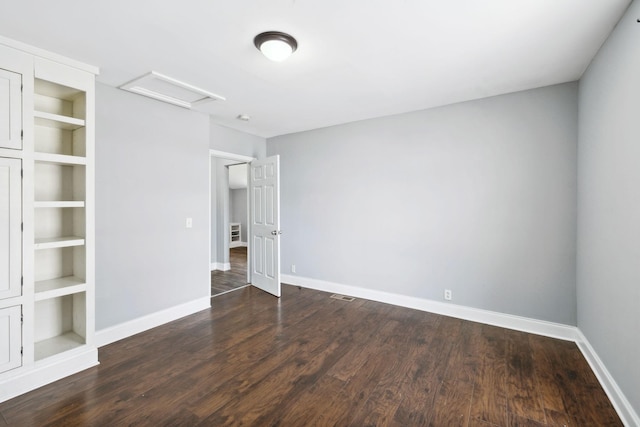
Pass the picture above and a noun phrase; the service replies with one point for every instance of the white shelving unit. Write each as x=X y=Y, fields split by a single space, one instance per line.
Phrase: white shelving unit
x=235 y=238
x=55 y=310
x=57 y=121
x=61 y=145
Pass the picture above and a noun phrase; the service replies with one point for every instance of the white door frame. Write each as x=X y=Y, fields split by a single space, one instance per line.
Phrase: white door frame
x=239 y=158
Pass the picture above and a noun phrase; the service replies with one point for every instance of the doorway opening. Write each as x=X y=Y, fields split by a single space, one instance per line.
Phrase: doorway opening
x=229 y=231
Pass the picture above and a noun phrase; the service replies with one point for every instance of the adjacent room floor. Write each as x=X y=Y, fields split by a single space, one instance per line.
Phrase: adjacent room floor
x=308 y=359
x=225 y=281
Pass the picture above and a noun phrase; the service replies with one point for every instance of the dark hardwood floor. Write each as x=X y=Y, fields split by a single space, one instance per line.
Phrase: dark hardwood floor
x=307 y=359
x=225 y=281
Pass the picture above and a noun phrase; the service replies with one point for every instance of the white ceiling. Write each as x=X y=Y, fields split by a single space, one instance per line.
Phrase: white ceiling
x=357 y=59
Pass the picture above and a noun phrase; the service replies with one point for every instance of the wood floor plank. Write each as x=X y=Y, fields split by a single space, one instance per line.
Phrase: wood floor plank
x=514 y=420
x=465 y=361
x=452 y=404
x=423 y=382
x=349 y=365
x=236 y=277
x=306 y=367
x=523 y=395
x=552 y=397
x=386 y=396
x=474 y=422
x=586 y=401
x=315 y=406
x=307 y=359
x=230 y=376
x=489 y=399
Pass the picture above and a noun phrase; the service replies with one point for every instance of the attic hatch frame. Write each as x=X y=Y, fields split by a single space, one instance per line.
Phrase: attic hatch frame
x=192 y=96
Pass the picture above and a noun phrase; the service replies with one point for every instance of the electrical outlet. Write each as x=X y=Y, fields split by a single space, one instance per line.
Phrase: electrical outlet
x=447 y=294
x=293 y=268
x=189 y=223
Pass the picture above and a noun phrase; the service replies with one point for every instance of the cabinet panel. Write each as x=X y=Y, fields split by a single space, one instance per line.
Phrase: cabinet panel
x=10 y=110
x=10 y=338
x=10 y=228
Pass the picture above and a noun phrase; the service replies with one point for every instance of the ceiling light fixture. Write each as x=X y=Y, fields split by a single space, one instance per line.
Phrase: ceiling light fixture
x=275 y=45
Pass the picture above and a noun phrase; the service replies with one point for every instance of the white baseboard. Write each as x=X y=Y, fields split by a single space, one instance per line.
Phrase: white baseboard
x=45 y=373
x=238 y=245
x=554 y=330
x=141 y=324
x=620 y=402
x=534 y=326
x=220 y=266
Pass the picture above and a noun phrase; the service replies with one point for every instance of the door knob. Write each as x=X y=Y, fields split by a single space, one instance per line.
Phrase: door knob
x=276 y=232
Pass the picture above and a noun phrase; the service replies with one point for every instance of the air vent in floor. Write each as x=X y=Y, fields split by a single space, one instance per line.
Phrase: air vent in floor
x=342 y=297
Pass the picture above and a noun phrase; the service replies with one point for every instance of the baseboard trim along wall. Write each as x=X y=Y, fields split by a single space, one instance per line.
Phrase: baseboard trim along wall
x=144 y=323
x=220 y=266
x=48 y=372
x=539 y=327
x=618 y=399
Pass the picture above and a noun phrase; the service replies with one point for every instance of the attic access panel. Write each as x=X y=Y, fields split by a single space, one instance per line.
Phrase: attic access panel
x=167 y=89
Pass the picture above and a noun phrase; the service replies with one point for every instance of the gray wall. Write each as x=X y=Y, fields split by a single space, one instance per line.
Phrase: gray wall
x=608 y=267
x=477 y=197
x=221 y=237
x=236 y=142
x=152 y=170
x=239 y=210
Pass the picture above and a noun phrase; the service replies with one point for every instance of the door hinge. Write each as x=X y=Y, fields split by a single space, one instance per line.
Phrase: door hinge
x=21 y=351
x=22 y=134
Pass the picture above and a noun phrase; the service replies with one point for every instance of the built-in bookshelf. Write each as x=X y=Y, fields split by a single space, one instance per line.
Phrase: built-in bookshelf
x=235 y=238
x=60 y=223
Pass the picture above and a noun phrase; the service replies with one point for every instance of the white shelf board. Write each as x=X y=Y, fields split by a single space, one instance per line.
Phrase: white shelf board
x=54 y=90
x=59 y=159
x=51 y=120
x=53 y=288
x=59 y=204
x=58 y=242
x=56 y=345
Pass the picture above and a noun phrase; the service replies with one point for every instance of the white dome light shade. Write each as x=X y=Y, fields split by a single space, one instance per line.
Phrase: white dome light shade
x=276 y=50
x=275 y=45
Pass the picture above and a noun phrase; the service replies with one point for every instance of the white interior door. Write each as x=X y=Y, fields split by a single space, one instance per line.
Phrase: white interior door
x=265 y=224
x=10 y=110
x=10 y=228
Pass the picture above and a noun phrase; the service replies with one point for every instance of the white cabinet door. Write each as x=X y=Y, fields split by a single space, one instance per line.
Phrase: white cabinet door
x=10 y=228
x=10 y=338
x=10 y=110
